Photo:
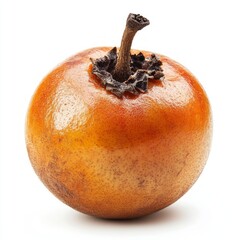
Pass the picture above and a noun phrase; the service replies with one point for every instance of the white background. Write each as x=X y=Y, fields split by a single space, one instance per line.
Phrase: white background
x=202 y=35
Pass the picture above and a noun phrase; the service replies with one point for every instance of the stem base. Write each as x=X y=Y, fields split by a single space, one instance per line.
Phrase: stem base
x=141 y=71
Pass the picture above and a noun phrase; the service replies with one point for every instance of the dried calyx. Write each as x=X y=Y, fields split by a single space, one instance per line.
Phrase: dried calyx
x=123 y=72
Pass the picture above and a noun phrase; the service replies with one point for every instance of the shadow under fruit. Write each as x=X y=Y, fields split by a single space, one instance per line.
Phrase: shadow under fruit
x=119 y=136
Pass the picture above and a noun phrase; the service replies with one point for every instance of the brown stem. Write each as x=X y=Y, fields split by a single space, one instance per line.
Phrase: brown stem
x=135 y=22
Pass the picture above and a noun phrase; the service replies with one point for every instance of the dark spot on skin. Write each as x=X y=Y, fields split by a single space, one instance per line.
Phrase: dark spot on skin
x=183 y=164
x=62 y=190
x=141 y=182
x=54 y=166
x=179 y=172
x=117 y=172
x=133 y=165
x=79 y=140
x=55 y=157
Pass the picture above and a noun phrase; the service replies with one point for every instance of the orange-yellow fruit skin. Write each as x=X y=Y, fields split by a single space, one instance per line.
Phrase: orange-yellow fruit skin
x=118 y=158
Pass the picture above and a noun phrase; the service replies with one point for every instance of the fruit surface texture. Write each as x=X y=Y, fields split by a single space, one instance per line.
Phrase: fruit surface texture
x=118 y=157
